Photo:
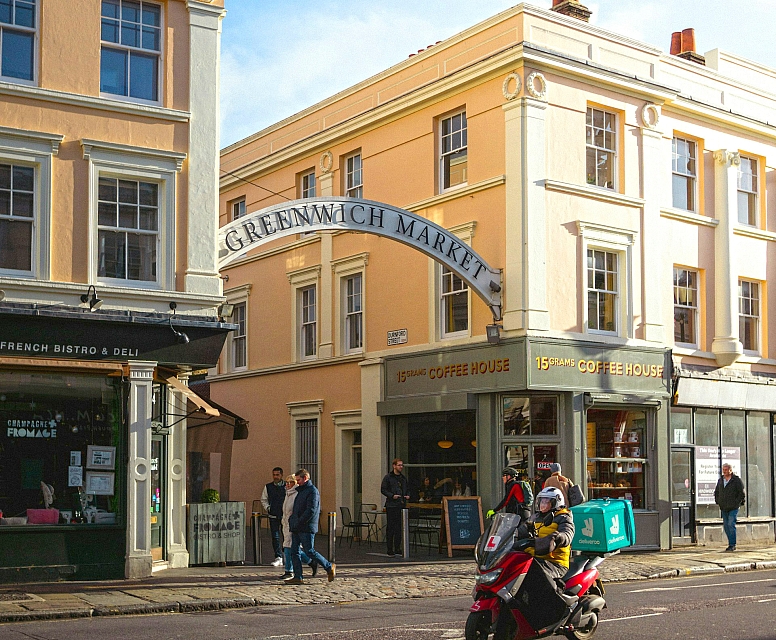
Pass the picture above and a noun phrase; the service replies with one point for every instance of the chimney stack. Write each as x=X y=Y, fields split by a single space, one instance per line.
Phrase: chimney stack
x=572 y=8
x=683 y=45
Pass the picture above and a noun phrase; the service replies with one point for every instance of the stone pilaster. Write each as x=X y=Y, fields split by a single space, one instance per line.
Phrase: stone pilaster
x=373 y=430
x=726 y=345
x=177 y=552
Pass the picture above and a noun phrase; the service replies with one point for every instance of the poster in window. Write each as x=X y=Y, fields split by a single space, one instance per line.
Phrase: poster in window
x=75 y=458
x=98 y=457
x=100 y=483
x=75 y=476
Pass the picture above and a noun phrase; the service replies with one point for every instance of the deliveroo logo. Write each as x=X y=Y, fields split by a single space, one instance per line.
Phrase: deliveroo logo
x=587 y=530
x=615 y=528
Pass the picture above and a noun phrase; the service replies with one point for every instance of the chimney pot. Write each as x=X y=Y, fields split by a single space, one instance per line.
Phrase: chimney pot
x=676 y=43
x=688 y=40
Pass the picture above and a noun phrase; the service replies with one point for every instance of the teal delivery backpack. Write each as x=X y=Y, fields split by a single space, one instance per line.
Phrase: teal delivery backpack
x=603 y=525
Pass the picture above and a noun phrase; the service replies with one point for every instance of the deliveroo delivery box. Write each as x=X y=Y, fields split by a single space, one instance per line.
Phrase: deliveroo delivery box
x=603 y=525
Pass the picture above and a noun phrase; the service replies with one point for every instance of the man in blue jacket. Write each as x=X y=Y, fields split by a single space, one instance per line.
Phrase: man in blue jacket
x=304 y=525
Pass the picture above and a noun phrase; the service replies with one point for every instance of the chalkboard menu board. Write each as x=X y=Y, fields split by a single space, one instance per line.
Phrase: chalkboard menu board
x=463 y=522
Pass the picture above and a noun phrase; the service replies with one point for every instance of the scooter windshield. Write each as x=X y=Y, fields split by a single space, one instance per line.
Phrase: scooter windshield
x=497 y=541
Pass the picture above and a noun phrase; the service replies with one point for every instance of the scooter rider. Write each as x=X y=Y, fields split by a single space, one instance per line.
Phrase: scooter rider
x=552 y=526
x=514 y=496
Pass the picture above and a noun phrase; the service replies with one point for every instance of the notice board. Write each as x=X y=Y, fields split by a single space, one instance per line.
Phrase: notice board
x=463 y=524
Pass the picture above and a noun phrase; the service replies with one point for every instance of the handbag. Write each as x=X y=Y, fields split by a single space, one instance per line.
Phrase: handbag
x=575 y=495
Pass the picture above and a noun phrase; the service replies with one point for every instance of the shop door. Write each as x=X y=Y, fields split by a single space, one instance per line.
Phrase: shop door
x=158 y=498
x=682 y=496
x=532 y=458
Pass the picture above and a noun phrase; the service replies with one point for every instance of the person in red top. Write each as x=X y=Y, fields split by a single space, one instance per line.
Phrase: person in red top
x=514 y=499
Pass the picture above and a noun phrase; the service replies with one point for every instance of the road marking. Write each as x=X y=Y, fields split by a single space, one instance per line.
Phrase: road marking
x=700 y=586
x=767 y=600
x=759 y=595
x=643 y=615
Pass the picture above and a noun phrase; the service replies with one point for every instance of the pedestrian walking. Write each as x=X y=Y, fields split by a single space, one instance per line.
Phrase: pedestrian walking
x=729 y=496
x=272 y=499
x=303 y=523
x=559 y=481
x=515 y=499
x=396 y=491
x=288 y=508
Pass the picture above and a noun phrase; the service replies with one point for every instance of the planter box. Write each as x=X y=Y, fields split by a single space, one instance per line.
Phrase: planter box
x=216 y=532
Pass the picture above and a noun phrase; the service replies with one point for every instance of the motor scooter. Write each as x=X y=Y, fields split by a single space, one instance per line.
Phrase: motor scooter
x=511 y=579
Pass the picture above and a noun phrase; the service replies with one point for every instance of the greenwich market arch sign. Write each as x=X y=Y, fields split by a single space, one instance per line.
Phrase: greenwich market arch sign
x=364 y=216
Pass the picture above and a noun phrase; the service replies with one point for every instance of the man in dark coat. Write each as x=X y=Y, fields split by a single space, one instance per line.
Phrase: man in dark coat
x=729 y=495
x=304 y=525
x=395 y=489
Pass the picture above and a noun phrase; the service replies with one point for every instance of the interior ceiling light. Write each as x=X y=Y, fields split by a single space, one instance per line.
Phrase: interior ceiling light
x=445 y=444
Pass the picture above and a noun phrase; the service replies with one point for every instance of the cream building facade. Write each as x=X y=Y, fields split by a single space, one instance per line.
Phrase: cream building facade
x=625 y=194
x=108 y=271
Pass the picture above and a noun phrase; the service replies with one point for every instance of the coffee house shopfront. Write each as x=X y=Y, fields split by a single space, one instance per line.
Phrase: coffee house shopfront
x=93 y=439
x=457 y=417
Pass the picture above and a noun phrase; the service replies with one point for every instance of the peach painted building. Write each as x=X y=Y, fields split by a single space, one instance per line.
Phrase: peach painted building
x=625 y=194
x=108 y=271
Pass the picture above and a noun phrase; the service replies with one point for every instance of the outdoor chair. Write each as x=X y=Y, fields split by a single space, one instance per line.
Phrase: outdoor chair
x=350 y=526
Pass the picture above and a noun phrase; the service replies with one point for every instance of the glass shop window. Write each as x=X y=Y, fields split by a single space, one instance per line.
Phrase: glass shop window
x=60 y=443
x=534 y=416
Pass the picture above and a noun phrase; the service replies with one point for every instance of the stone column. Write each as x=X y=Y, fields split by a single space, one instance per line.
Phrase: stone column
x=656 y=277
x=203 y=160
x=141 y=380
x=726 y=345
x=325 y=300
x=525 y=276
x=177 y=552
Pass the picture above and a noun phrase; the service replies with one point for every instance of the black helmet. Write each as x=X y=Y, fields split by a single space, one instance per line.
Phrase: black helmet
x=509 y=471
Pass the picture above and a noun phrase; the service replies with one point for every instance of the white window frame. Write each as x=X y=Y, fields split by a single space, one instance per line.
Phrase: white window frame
x=135 y=163
x=238 y=296
x=304 y=184
x=300 y=280
x=753 y=193
x=604 y=238
x=343 y=269
x=34 y=149
x=758 y=317
x=159 y=56
x=353 y=188
x=237 y=209
x=443 y=154
x=465 y=233
x=35 y=47
x=305 y=410
x=442 y=273
x=614 y=152
x=693 y=309
x=685 y=174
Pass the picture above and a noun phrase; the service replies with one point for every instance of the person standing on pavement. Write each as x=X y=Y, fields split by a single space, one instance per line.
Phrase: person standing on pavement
x=514 y=497
x=729 y=495
x=558 y=481
x=303 y=523
x=396 y=491
x=272 y=499
x=288 y=508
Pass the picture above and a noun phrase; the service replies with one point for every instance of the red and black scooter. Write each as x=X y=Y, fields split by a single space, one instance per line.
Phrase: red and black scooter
x=508 y=578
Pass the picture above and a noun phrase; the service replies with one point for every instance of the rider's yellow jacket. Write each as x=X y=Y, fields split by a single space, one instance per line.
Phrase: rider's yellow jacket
x=559 y=524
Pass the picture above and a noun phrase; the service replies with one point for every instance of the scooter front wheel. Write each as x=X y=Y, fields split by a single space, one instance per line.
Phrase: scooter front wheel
x=586 y=632
x=478 y=625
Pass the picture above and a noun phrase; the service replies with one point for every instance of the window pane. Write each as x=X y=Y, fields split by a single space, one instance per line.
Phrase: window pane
x=24 y=15
x=544 y=416
x=113 y=71
x=128 y=216
x=143 y=73
x=106 y=214
x=17 y=55
x=112 y=254
x=148 y=218
x=5 y=11
x=149 y=194
x=110 y=8
x=733 y=437
x=758 y=464
x=130 y=11
x=130 y=34
x=5 y=203
x=109 y=31
x=592 y=310
x=152 y=15
x=23 y=178
x=141 y=257
x=22 y=204
x=684 y=325
x=151 y=37
x=16 y=245
x=681 y=425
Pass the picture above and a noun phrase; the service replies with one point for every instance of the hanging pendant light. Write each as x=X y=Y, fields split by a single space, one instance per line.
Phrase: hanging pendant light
x=445 y=444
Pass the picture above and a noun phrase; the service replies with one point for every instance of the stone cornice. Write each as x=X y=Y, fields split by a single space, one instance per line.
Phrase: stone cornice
x=113 y=147
x=452 y=194
x=595 y=193
x=688 y=217
x=54 y=139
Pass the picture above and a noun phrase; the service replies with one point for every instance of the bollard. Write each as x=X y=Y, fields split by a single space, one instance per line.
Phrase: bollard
x=256 y=526
x=405 y=533
x=332 y=535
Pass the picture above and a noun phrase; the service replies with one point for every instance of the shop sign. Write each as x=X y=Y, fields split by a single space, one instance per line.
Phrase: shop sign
x=31 y=429
x=216 y=532
x=544 y=465
x=399 y=336
x=556 y=365
x=482 y=368
x=708 y=469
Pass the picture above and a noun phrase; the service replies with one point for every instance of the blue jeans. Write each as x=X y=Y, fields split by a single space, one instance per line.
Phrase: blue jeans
x=307 y=542
x=287 y=559
x=729 y=524
x=274 y=528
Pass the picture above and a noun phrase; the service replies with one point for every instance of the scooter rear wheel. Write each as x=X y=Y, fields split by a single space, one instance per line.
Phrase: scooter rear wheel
x=478 y=625
x=587 y=632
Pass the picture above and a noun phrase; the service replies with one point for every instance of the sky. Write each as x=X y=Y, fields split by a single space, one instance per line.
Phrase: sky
x=280 y=56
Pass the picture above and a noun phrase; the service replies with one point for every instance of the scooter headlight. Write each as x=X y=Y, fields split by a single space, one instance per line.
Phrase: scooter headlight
x=488 y=578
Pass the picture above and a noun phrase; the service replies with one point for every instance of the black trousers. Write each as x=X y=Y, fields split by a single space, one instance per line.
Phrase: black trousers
x=393 y=529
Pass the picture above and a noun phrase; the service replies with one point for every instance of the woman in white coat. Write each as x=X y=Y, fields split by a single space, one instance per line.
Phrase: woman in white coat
x=288 y=508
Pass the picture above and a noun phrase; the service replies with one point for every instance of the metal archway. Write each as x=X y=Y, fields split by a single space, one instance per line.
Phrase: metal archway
x=364 y=216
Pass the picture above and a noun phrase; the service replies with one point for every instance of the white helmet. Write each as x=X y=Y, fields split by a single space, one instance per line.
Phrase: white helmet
x=554 y=495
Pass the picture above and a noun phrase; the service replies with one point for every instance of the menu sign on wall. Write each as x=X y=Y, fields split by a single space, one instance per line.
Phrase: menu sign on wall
x=708 y=469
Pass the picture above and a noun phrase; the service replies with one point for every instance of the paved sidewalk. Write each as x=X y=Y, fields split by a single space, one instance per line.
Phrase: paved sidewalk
x=373 y=577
